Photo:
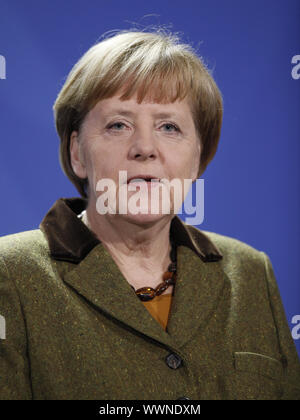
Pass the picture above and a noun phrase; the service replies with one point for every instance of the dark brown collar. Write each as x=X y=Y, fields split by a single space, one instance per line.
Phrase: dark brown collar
x=70 y=240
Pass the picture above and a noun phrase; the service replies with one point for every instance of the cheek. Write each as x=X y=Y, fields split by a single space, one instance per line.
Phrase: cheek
x=102 y=162
x=195 y=160
x=185 y=162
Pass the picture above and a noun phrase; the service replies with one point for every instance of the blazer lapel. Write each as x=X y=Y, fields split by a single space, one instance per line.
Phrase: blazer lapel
x=98 y=279
x=198 y=288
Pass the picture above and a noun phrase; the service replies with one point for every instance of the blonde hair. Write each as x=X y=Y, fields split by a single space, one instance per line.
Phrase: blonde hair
x=150 y=64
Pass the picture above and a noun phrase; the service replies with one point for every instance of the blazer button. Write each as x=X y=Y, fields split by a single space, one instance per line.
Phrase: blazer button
x=173 y=361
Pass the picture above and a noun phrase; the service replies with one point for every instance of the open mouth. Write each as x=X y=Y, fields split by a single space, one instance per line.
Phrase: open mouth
x=141 y=178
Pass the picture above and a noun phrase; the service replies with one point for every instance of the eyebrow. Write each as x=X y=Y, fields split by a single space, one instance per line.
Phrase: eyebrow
x=131 y=114
x=167 y=115
x=119 y=111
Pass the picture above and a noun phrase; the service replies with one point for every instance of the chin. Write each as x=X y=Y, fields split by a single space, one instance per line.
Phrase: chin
x=145 y=219
x=146 y=213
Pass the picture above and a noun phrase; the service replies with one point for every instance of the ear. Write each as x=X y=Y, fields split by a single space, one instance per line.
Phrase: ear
x=76 y=156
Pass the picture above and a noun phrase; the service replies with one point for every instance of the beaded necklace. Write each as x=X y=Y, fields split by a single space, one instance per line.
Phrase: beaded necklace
x=169 y=279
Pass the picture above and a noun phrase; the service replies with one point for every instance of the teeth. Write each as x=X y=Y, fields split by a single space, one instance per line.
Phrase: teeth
x=144 y=179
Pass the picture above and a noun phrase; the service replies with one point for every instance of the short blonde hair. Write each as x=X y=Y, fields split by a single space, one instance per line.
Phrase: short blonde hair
x=150 y=64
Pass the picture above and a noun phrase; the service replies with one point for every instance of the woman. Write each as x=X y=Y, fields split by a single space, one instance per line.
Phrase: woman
x=102 y=303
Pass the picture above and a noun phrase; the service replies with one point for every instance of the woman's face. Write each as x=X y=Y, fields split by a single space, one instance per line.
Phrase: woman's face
x=148 y=141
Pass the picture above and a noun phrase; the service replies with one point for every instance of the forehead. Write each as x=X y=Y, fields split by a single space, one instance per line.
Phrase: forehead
x=131 y=107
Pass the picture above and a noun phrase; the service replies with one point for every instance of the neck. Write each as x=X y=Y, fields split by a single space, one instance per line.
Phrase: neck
x=142 y=252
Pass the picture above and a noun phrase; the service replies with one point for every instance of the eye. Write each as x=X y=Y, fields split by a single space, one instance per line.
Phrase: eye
x=170 y=127
x=118 y=126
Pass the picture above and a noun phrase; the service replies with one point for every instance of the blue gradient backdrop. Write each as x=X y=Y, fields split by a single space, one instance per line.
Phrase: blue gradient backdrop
x=251 y=187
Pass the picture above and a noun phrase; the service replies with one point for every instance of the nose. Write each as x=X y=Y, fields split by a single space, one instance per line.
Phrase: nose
x=143 y=146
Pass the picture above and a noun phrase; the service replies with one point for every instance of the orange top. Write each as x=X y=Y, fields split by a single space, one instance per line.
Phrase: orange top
x=159 y=308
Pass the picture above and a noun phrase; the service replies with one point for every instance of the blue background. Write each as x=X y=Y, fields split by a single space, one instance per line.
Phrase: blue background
x=252 y=185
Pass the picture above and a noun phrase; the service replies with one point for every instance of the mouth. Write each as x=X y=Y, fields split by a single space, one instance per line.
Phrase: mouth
x=143 y=178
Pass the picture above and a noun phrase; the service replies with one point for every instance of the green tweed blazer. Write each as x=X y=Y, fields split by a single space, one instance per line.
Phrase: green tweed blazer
x=73 y=328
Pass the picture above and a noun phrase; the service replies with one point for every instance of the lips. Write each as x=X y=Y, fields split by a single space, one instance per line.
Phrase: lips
x=139 y=178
